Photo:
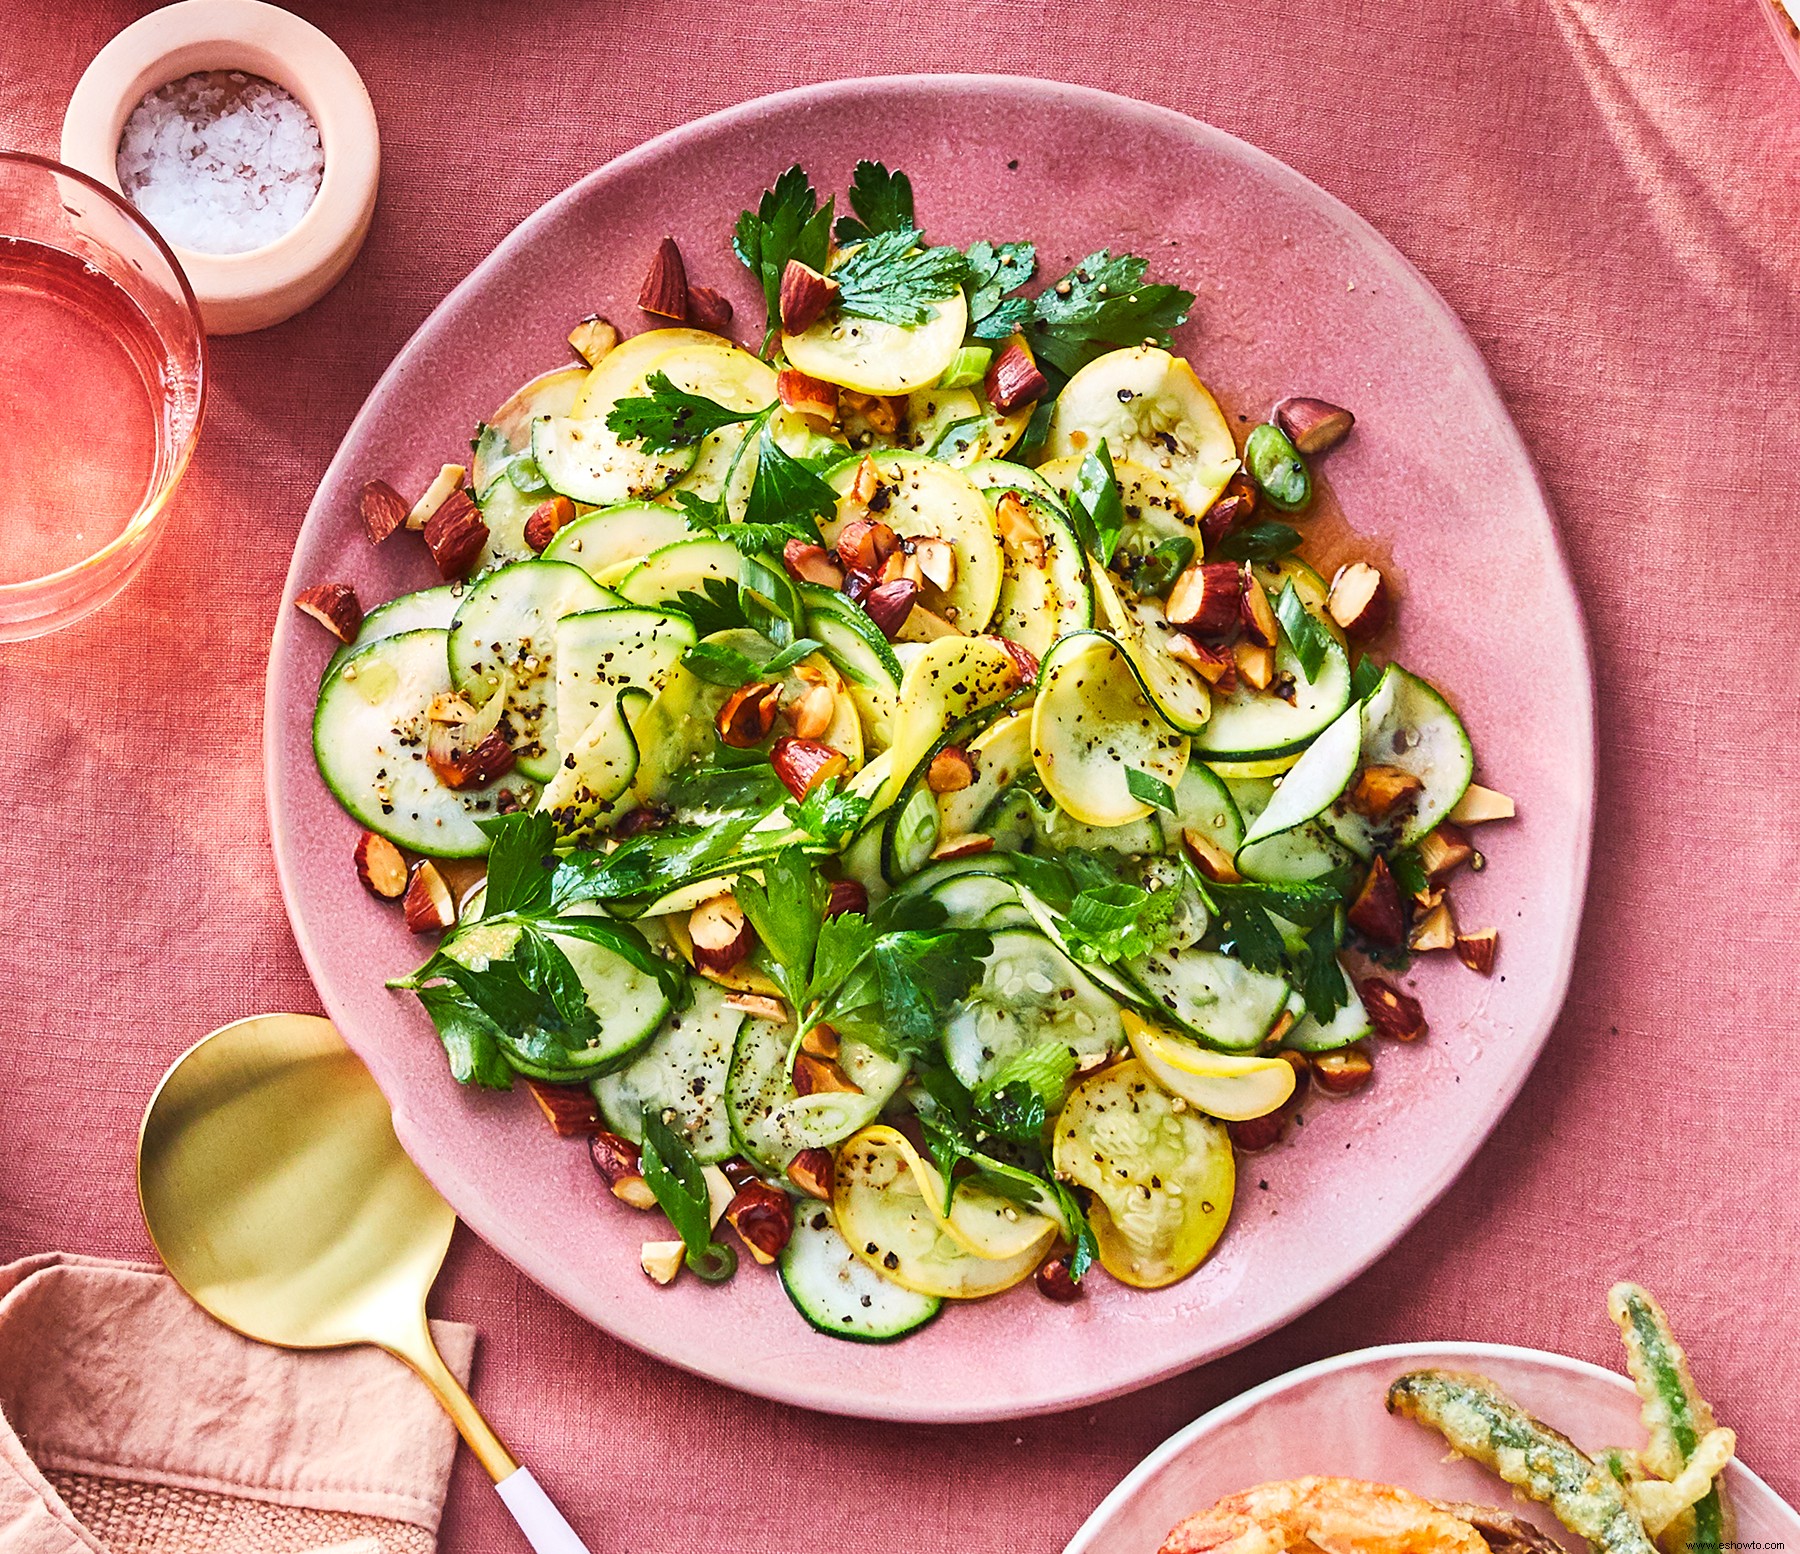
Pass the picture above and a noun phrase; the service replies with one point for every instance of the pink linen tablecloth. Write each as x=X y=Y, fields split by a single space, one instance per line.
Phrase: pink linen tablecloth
x=1608 y=193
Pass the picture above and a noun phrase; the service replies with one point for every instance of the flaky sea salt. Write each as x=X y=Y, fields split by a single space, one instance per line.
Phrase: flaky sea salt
x=221 y=162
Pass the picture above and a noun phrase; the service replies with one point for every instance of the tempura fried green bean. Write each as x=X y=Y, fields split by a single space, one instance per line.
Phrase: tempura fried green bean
x=1675 y=1415
x=1481 y=1422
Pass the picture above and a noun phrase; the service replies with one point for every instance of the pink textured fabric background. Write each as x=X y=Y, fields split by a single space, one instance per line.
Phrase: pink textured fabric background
x=1608 y=193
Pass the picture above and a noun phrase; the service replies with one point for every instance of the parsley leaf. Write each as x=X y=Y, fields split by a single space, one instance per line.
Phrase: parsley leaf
x=1017 y=1101
x=895 y=280
x=1095 y=506
x=1321 y=977
x=882 y=199
x=471 y=1040
x=1258 y=542
x=829 y=812
x=670 y=417
x=787 y=908
x=717 y=607
x=786 y=496
x=674 y=1176
x=517 y=880
x=718 y=664
x=1249 y=932
x=1085 y=1248
x=1102 y=303
x=1305 y=635
x=993 y=272
x=788 y=223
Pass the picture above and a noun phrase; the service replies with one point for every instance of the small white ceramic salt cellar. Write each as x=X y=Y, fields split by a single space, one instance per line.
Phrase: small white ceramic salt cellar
x=264 y=284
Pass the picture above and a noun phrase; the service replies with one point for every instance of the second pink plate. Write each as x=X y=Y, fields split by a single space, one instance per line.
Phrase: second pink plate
x=1295 y=294
x=1330 y=1419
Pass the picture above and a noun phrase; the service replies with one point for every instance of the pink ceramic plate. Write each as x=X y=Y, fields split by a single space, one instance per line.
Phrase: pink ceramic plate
x=1295 y=294
x=1329 y=1418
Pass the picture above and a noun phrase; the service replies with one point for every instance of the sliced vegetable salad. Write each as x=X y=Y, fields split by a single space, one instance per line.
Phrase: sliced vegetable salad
x=897 y=789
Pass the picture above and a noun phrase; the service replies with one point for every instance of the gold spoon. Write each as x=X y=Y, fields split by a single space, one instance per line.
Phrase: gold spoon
x=278 y=1197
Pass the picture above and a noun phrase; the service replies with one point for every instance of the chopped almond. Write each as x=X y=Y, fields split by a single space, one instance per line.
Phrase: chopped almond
x=1358 y=601
x=972 y=844
x=592 y=339
x=429 y=906
x=382 y=508
x=447 y=480
x=1443 y=851
x=380 y=866
x=1436 y=930
x=952 y=769
x=665 y=289
x=1380 y=792
x=1394 y=1014
x=813 y=712
x=1378 y=913
x=570 y=1109
x=334 y=606
x=923 y=625
x=820 y=1076
x=1476 y=950
x=662 y=1260
x=805 y=395
x=1480 y=804
x=1255 y=664
x=1207 y=599
x=1260 y=624
x=1209 y=858
x=759 y=1006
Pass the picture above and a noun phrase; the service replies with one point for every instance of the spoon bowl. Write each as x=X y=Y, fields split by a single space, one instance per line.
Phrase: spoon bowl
x=278 y=1197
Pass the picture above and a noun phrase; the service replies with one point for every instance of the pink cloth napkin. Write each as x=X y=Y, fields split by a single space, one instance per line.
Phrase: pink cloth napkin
x=129 y=1419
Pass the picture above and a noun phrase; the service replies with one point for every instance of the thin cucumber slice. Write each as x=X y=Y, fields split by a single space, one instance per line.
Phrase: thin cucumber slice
x=937 y=874
x=586 y=461
x=1002 y=755
x=841 y=1295
x=505 y=632
x=602 y=652
x=592 y=785
x=1315 y=780
x=682 y=1074
x=1218 y=1000
x=685 y=567
x=1202 y=803
x=369 y=736
x=1407 y=724
x=1030 y=993
x=1003 y=475
x=773 y=1122
x=1092 y=725
x=1249 y=725
x=860 y=653
x=1044 y=588
x=910 y=834
x=1143 y=631
x=982 y=901
x=627 y=533
x=429 y=608
x=1351 y=1023
x=507 y=432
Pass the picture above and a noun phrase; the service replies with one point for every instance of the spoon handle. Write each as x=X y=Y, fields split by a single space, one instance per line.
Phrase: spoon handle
x=543 y=1525
x=540 y=1521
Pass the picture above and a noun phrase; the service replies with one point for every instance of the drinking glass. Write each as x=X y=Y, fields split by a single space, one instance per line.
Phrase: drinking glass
x=102 y=385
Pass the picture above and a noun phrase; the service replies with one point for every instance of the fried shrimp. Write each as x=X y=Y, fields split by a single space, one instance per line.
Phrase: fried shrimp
x=1336 y=1515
